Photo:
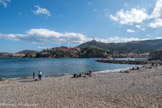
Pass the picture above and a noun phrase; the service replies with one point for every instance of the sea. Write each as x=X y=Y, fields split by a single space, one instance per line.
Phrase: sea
x=11 y=68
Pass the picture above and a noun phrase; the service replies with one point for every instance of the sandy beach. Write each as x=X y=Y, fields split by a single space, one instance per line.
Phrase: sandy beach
x=136 y=89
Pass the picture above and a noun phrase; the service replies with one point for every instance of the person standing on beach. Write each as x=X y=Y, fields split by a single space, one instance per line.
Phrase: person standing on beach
x=40 y=75
x=33 y=75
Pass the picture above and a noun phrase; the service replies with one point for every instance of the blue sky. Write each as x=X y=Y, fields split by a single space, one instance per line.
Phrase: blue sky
x=38 y=24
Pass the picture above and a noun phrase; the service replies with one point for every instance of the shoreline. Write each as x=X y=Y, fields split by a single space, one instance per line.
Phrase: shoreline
x=94 y=72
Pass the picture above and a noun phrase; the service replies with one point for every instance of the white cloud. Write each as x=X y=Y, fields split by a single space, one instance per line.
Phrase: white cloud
x=138 y=26
x=47 y=36
x=117 y=39
x=39 y=47
x=4 y=2
x=130 y=17
x=114 y=18
x=12 y=36
x=158 y=38
x=41 y=11
x=130 y=31
x=135 y=15
x=156 y=23
x=50 y=36
x=157 y=12
x=156 y=15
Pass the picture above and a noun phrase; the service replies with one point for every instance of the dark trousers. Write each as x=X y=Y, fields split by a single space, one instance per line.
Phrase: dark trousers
x=40 y=77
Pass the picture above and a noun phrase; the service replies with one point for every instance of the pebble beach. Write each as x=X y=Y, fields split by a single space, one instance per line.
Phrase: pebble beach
x=137 y=89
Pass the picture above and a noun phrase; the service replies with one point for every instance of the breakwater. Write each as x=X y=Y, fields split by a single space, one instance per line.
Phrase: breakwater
x=138 y=62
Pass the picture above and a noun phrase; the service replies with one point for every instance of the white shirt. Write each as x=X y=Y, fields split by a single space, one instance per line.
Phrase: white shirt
x=40 y=73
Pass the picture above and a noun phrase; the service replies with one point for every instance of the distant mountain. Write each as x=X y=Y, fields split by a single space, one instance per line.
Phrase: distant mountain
x=26 y=52
x=134 y=46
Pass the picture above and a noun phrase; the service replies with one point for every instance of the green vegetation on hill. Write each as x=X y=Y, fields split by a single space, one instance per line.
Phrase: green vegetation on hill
x=93 y=52
x=60 y=52
x=135 y=46
x=66 y=52
x=26 y=51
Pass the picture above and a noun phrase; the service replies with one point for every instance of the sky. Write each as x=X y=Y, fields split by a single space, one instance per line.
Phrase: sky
x=41 y=24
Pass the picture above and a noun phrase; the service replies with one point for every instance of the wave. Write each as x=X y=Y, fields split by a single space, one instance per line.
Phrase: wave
x=108 y=71
x=115 y=70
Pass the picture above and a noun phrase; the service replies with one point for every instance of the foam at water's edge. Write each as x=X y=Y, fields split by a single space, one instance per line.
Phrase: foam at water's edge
x=18 y=78
x=115 y=70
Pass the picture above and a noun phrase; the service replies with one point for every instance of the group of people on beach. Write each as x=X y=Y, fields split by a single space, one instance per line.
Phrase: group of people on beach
x=83 y=75
x=39 y=75
x=133 y=68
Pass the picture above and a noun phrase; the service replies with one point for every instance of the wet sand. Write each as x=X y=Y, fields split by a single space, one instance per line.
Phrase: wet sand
x=136 y=89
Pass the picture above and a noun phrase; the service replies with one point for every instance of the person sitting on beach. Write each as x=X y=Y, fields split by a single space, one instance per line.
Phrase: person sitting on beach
x=90 y=73
x=86 y=73
x=156 y=64
x=126 y=72
x=121 y=71
x=149 y=67
x=133 y=68
x=152 y=64
x=80 y=75
x=75 y=75
x=34 y=75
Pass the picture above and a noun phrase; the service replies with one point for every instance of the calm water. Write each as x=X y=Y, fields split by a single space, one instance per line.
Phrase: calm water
x=23 y=67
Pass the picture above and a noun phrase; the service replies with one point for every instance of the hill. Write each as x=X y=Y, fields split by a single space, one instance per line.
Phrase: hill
x=26 y=52
x=134 y=46
x=67 y=52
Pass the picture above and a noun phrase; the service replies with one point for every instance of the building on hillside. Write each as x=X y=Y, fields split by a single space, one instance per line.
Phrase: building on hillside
x=144 y=55
x=5 y=54
x=132 y=55
x=156 y=55
x=31 y=54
